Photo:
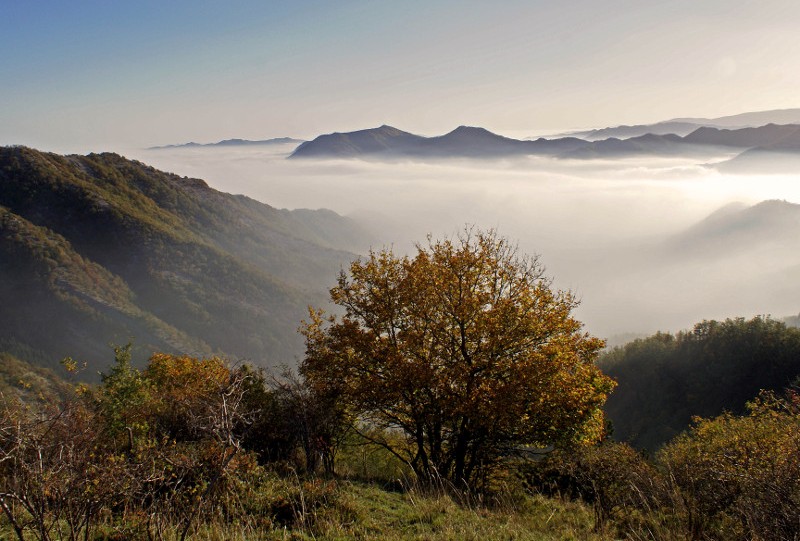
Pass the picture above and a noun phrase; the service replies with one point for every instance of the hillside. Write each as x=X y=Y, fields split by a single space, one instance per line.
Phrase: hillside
x=665 y=379
x=770 y=134
x=735 y=229
x=29 y=383
x=99 y=249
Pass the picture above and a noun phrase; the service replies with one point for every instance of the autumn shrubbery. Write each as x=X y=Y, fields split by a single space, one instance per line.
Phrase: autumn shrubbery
x=146 y=452
x=175 y=450
x=730 y=477
x=741 y=475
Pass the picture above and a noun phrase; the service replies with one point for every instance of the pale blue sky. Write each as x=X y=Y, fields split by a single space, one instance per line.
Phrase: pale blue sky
x=96 y=75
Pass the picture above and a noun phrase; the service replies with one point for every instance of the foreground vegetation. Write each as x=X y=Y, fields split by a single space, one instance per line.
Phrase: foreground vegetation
x=195 y=449
x=170 y=452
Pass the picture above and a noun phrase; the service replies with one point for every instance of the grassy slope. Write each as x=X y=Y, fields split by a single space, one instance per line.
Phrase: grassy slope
x=368 y=512
x=356 y=511
x=29 y=383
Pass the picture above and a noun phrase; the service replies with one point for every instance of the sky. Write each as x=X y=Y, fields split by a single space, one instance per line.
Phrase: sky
x=96 y=75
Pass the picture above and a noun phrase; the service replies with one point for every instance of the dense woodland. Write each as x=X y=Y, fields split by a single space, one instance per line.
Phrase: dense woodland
x=450 y=395
x=718 y=366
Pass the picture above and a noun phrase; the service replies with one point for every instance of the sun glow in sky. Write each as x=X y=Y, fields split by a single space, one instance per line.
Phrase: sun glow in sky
x=97 y=75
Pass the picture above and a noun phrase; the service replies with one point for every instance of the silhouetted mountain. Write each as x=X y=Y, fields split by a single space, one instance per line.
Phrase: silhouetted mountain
x=782 y=157
x=748 y=120
x=387 y=142
x=233 y=143
x=463 y=142
x=743 y=138
x=618 y=148
x=625 y=132
x=98 y=249
x=383 y=140
x=469 y=141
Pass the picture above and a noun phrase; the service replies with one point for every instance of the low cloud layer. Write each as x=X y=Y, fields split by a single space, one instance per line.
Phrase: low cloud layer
x=608 y=230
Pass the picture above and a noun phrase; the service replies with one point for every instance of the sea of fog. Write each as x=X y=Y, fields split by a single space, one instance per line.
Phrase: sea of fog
x=603 y=228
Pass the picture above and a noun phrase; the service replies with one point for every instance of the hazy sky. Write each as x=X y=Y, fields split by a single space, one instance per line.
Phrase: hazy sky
x=97 y=75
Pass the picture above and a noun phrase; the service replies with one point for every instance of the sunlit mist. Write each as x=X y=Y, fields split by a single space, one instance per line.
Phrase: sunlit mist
x=612 y=231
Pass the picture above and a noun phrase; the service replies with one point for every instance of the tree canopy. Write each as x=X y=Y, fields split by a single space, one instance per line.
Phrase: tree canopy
x=717 y=366
x=458 y=356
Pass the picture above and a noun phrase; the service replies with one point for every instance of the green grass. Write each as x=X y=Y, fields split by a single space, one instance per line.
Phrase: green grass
x=292 y=509
x=375 y=513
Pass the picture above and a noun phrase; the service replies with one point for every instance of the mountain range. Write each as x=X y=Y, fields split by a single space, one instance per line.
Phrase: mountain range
x=100 y=249
x=233 y=143
x=685 y=126
x=387 y=142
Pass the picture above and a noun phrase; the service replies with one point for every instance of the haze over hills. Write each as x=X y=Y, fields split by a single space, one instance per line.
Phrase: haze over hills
x=739 y=227
x=99 y=249
x=741 y=260
x=685 y=126
x=233 y=143
x=387 y=142
x=776 y=156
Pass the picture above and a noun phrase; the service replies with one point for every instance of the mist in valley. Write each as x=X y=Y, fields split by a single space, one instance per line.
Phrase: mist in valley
x=647 y=243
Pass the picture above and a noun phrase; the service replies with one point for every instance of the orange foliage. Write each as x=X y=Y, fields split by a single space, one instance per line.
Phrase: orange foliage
x=465 y=348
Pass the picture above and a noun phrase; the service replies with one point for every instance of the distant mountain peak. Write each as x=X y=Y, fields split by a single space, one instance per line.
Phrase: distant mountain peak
x=470 y=129
x=473 y=132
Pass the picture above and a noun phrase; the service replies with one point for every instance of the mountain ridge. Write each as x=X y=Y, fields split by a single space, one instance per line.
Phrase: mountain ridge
x=476 y=142
x=111 y=248
x=231 y=142
x=684 y=126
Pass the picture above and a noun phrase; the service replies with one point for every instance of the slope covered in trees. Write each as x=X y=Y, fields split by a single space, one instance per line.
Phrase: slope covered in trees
x=97 y=249
x=666 y=379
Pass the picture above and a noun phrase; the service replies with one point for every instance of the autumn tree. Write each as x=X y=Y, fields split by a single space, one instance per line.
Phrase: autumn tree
x=465 y=349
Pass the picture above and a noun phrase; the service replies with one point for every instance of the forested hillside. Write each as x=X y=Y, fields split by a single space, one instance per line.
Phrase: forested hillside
x=665 y=379
x=99 y=249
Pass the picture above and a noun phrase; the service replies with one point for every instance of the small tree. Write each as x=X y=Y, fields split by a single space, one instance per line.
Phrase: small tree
x=465 y=349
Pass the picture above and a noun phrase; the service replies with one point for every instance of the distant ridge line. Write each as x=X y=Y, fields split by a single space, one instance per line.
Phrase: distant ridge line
x=232 y=142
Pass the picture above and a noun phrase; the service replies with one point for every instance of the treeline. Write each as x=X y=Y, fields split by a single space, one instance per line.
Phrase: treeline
x=666 y=379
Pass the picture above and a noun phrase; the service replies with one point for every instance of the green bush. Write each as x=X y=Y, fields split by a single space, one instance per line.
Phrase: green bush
x=740 y=476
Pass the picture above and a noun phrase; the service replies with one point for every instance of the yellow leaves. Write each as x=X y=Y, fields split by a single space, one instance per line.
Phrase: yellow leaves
x=467 y=332
x=184 y=375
